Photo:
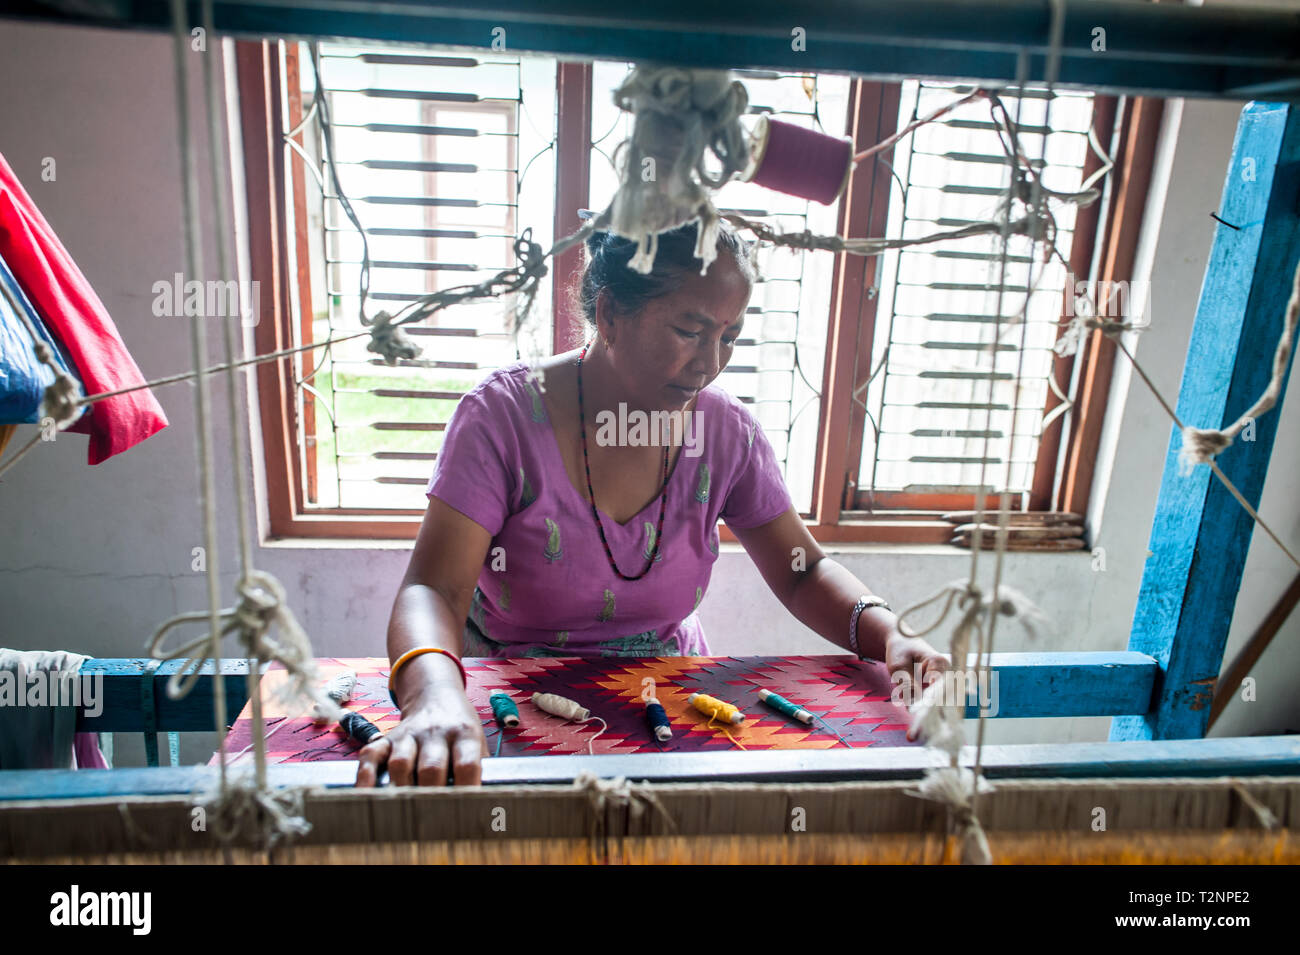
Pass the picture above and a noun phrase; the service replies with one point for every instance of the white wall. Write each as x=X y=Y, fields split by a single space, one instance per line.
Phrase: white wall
x=93 y=559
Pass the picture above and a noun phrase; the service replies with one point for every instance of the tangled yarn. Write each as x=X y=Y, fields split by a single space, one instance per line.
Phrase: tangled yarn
x=680 y=116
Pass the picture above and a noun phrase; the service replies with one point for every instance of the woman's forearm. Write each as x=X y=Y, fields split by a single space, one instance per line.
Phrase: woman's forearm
x=423 y=617
x=823 y=598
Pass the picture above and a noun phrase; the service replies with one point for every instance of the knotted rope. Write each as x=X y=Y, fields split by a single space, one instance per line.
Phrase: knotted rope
x=955 y=787
x=680 y=115
x=390 y=341
x=61 y=401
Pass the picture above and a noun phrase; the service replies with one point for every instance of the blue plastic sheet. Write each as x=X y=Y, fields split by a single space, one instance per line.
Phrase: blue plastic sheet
x=23 y=378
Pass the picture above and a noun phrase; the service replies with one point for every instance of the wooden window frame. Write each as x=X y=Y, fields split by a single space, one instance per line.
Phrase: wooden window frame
x=265 y=68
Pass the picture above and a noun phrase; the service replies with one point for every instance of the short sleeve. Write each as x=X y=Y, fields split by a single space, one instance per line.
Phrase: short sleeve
x=759 y=494
x=473 y=474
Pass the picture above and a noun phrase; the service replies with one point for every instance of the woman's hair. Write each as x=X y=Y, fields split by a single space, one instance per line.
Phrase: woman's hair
x=607 y=269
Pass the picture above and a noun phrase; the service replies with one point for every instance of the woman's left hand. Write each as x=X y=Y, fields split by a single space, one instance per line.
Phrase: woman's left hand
x=908 y=658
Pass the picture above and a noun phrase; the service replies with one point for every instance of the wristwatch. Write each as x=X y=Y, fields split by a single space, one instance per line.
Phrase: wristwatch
x=865 y=601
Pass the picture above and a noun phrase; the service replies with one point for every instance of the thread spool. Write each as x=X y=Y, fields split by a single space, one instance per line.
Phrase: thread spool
x=559 y=706
x=798 y=161
x=504 y=709
x=785 y=707
x=340 y=690
x=567 y=709
x=715 y=708
x=657 y=717
x=359 y=728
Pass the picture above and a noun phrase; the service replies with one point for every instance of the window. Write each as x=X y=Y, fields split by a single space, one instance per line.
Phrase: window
x=929 y=432
x=867 y=374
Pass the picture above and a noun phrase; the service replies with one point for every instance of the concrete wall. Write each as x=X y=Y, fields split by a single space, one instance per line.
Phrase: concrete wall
x=93 y=559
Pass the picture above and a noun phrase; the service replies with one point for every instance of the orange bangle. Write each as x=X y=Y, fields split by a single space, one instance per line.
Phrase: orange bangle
x=411 y=655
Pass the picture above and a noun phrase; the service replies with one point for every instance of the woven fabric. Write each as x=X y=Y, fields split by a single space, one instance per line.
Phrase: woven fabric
x=849 y=695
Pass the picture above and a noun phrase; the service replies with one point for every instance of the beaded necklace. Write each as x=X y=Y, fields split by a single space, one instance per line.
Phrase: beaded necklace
x=591 y=494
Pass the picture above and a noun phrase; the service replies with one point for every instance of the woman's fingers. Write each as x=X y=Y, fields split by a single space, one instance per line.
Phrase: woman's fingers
x=432 y=767
x=401 y=761
x=467 y=753
x=371 y=758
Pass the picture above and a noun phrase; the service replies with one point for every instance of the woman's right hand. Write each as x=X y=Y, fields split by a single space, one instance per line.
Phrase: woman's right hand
x=439 y=728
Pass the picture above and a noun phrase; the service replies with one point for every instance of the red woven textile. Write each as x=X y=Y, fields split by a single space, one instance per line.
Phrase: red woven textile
x=71 y=310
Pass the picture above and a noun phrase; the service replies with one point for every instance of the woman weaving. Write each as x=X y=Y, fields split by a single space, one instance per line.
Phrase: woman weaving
x=545 y=535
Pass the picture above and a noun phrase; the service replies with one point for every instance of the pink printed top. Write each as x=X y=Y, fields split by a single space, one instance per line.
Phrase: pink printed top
x=546 y=587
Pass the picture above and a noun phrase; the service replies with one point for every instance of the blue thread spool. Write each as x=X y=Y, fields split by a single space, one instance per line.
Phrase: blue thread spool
x=658 y=720
x=504 y=709
x=785 y=707
x=359 y=728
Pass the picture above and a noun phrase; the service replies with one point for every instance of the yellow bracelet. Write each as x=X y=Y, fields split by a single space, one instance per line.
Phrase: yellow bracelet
x=411 y=655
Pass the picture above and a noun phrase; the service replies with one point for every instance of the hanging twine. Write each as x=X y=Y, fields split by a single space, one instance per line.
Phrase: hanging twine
x=936 y=720
x=680 y=115
x=955 y=787
x=1202 y=444
x=262 y=606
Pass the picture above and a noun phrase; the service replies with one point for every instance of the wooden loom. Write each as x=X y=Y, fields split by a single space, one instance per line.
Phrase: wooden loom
x=1236 y=800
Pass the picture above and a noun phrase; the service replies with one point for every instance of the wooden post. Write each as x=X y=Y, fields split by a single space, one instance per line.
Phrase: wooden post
x=1201 y=535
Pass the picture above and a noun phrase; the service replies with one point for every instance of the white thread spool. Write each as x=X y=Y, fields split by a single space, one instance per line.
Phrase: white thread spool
x=340 y=690
x=561 y=707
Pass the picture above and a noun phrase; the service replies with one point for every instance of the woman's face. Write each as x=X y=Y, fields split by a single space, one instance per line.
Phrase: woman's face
x=681 y=341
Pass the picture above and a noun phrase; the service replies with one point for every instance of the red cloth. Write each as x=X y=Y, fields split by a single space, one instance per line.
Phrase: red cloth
x=68 y=305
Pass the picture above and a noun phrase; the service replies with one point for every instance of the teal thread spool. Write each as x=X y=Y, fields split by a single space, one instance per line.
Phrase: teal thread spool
x=504 y=709
x=785 y=707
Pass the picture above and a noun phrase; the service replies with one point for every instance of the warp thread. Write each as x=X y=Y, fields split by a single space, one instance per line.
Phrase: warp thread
x=680 y=115
x=1263 y=815
x=954 y=788
x=619 y=794
x=244 y=808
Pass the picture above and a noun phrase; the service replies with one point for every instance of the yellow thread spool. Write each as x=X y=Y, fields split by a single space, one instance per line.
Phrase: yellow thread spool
x=716 y=709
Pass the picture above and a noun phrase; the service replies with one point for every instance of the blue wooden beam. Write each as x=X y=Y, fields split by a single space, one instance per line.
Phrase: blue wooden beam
x=1200 y=535
x=1153 y=49
x=118 y=708
x=1255 y=756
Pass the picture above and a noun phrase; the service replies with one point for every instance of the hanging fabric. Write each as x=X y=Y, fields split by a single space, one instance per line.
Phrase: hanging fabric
x=70 y=309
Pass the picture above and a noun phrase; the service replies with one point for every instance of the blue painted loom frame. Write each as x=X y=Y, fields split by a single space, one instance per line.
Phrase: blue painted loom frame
x=1159 y=690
